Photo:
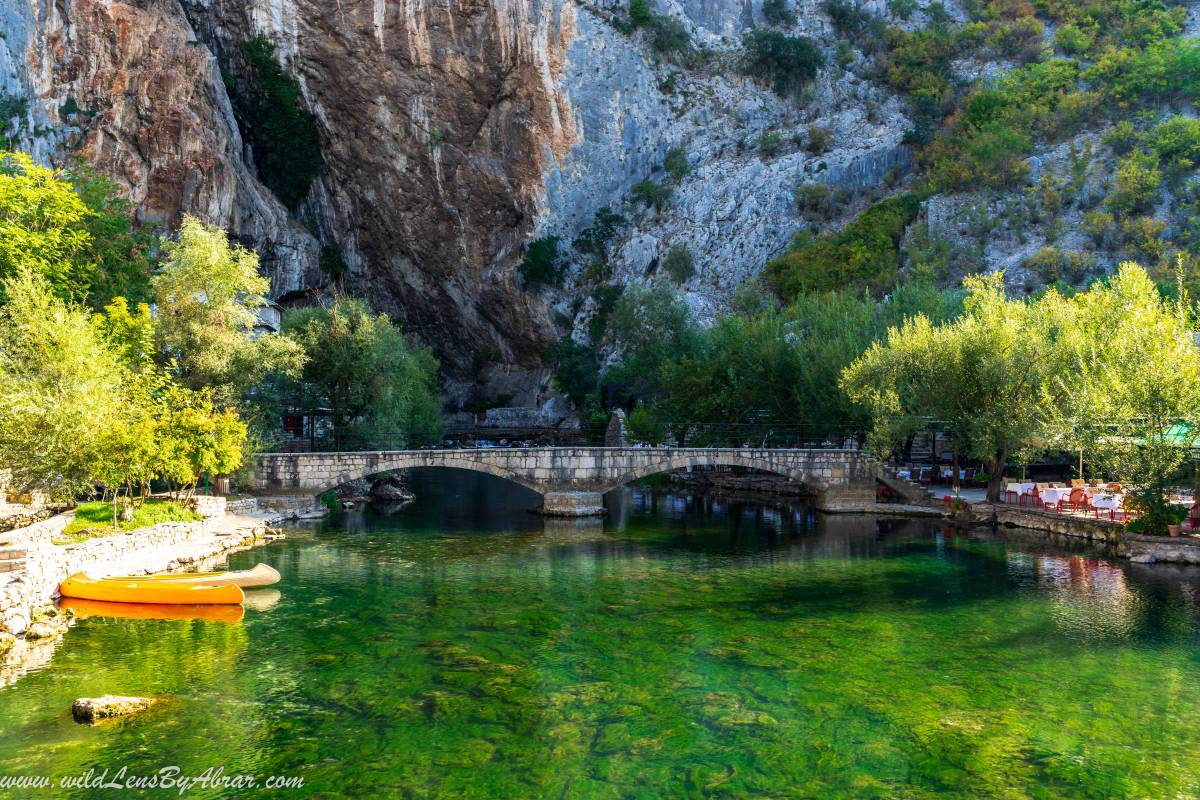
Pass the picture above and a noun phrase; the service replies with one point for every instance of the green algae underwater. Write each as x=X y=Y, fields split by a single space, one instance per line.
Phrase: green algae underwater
x=685 y=647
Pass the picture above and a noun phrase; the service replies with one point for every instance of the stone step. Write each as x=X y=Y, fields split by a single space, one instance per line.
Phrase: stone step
x=12 y=565
x=10 y=553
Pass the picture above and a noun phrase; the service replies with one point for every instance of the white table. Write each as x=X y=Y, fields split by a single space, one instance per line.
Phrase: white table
x=948 y=471
x=1111 y=502
x=1021 y=488
x=1051 y=496
x=904 y=473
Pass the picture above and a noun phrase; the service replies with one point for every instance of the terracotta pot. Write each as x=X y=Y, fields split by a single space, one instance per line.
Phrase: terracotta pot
x=1173 y=530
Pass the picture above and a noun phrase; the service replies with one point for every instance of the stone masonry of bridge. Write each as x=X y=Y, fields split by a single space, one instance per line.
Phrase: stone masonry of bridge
x=572 y=479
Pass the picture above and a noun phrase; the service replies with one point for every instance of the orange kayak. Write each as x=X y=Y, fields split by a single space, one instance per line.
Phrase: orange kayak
x=81 y=587
x=98 y=608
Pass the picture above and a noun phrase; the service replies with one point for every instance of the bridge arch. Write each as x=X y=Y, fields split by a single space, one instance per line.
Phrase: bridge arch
x=420 y=460
x=671 y=463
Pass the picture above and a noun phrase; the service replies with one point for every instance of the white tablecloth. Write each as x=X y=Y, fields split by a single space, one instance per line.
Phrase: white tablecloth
x=904 y=473
x=1021 y=488
x=1051 y=496
x=948 y=471
x=1108 y=501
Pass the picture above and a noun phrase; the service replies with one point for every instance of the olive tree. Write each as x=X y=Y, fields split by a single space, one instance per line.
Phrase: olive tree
x=1132 y=389
x=983 y=373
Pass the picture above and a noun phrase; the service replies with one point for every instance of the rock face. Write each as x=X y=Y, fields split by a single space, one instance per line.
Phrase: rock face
x=453 y=133
x=127 y=87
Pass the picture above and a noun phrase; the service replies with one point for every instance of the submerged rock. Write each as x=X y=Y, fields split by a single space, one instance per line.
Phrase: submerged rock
x=93 y=709
x=390 y=489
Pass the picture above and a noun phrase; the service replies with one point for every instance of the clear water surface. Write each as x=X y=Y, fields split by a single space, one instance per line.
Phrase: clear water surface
x=686 y=647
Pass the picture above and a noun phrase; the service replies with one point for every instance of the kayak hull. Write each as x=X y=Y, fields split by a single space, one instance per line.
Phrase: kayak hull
x=99 y=608
x=259 y=575
x=82 y=587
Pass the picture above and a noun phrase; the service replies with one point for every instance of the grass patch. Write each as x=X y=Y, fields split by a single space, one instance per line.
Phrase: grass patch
x=95 y=519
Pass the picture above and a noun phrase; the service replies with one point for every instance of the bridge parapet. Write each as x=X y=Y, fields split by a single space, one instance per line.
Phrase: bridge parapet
x=572 y=478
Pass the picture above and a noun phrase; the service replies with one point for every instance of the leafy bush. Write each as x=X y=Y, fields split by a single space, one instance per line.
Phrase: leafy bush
x=679 y=264
x=1143 y=237
x=640 y=15
x=769 y=142
x=902 y=8
x=1072 y=40
x=652 y=194
x=1101 y=227
x=670 y=36
x=850 y=19
x=1121 y=137
x=815 y=198
x=1137 y=183
x=594 y=239
x=331 y=263
x=542 y=265
x=644 y=427
x=788 y=62
x=776 y=12
x=676 y=164
x=1176 y=142
x=818 y=139
x=865 y=253
x=282 y=134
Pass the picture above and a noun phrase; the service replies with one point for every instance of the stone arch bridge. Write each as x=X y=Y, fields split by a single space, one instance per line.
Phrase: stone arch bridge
x=572 y=479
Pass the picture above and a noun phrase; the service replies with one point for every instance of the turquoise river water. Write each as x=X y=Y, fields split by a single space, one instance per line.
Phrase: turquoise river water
x=685 y=647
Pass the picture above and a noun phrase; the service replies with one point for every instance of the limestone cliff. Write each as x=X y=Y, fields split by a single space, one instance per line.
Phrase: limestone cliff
x=453 y=132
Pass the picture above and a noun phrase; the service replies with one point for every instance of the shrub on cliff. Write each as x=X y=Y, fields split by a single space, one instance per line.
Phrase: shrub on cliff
x=865 y=253
x=542 y=265
x=788 y=62
x=776 y=12
x=282 y=134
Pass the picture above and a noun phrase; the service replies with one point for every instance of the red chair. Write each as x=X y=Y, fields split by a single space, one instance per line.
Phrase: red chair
x=1030 y=498
x=1076 y=501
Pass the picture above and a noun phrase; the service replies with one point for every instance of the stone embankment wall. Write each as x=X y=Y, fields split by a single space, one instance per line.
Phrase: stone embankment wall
x=1134 y=546
x=43 y=564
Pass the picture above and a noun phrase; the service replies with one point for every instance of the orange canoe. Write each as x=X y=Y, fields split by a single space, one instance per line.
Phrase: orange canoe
x=81 y=587
x=99 y=608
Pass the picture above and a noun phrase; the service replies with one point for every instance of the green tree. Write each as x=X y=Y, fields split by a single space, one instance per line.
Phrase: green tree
x=679 y=263
x=576 y=371
x=776 y=12
x=1137 y=183
x=543 y=265
x=207 y=298
x=983 y=374
x=120 y=251
x=788 y=62
x=376 y=386
x=639 y=13
x=44 y=226
x=60 y=389
x=650 y=326
x=195 y=438
x=1132 y=389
